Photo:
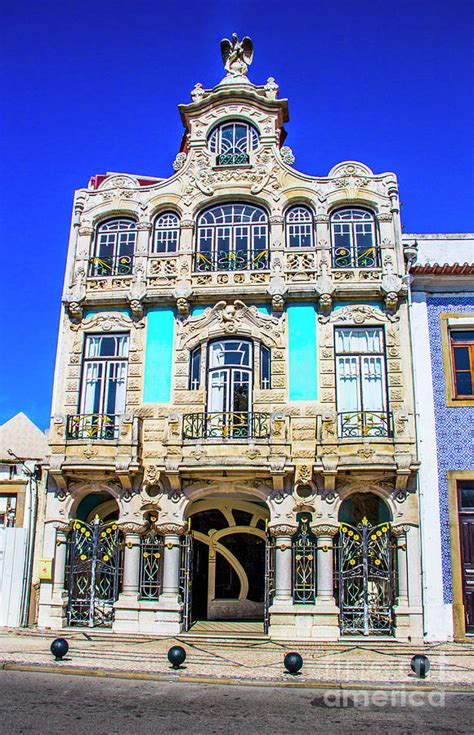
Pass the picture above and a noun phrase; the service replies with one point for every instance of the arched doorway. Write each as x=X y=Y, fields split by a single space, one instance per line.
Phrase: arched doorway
x=365 y=566
x=228 y=564
x=94 y=561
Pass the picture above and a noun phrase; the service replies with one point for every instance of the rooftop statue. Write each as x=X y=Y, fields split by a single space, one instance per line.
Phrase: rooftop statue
x=236 y=55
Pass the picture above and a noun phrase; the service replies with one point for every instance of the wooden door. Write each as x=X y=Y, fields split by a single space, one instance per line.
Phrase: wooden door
x=466 y=534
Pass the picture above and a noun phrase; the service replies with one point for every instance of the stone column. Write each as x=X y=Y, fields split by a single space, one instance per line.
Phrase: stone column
x=282 y=536
x=168 y=609
x=131 y=565
x=325 y=562
x=55 y=617
x=171 y=563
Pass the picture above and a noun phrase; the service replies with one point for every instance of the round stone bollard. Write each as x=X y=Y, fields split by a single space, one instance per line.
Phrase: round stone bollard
x=420 y=665
x=176 y=656
x=59 y=648
x=293 y=662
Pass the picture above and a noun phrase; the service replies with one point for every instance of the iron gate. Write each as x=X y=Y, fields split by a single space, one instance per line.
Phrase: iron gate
x=186 y=579
x=94 y=572
x=269 y=581
x=365 y=578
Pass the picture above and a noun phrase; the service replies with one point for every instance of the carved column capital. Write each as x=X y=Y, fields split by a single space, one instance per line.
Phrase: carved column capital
x=172 y=529
x=282 y=530
x=400 y=530
x=325 y=530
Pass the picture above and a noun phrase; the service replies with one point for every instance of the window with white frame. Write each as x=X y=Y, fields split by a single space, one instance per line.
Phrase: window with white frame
x=166 y=236
x=114 y=248
x=103 y=387
x=361 y=384
x=353 y=236
x=299 y=227
x=232 y=141
x=232 y=237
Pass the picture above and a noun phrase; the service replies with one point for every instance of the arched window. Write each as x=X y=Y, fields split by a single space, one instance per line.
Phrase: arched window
x=299 y=227
x=354 y=241
x=232 y=142
x=114 y=248
x=232 y=237
x=166 y=237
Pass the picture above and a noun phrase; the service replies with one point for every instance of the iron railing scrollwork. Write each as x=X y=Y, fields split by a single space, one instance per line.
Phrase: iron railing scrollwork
x=304 y=553
x=365 y=578
x=226 y=425
x=103 y=266
x=93 y=572
x=344 y=257
x=186 y=579
x=355 y=424
x=232 y=159
x=151 y=566
x=92 y=426
x=234 y=260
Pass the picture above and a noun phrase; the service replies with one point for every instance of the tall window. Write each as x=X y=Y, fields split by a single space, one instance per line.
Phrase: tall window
x=354 y=243
x=232 y=142
x=361 y=382
x=114 y=248
x=232 y=237
x=103 y=389
x=299 y=227
x=462 y=349
x=166 y=238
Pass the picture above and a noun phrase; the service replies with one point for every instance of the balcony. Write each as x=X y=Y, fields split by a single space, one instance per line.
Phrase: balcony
x=96 y=426
x=238 y=260
x=120 y=265
x=362 y=424
x=241 y=425
x=233 y=159
x=344 y=257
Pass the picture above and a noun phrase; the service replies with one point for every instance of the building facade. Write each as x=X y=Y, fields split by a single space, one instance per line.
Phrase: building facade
x=442 y=306
x=233 y=430
x=23 y=449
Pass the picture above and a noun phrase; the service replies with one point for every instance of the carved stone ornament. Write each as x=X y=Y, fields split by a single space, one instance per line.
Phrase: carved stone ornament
x=237 y=55
x=271 y=89
x=129 y=527
x=358 y=314
x=152 y=474
x=223 y=319
x=120 y=181
x=172 y=529
x=197 y=93
x=74 y=310
x=109 y=323
x=287 y=155
x=400 y=530
x=182 y=293
x=282 y=530
x=325 y=530
x=303 y=474
x=179 y=161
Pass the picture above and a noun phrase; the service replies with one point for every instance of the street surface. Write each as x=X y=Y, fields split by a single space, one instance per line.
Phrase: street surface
x=78 y=705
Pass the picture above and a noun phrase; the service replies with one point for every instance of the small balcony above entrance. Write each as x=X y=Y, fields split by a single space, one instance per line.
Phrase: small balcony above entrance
x=92 y=426
x=227 y=425
x=361 y=424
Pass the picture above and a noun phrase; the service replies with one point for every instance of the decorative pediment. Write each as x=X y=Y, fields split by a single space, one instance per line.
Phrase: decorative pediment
x=358 y=314
x=119 y=181
x=108 y=322
x=224 y=320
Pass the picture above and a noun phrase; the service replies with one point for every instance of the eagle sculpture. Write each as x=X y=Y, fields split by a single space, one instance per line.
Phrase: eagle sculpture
x=236 y=55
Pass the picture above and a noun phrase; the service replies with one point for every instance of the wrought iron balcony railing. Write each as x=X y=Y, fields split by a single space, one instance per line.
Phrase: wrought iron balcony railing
x=92 y=426
x=237 y=260
x=239 y=425
x=121 y=265
x=357 y=424
x=232 y=159
x=343 y=257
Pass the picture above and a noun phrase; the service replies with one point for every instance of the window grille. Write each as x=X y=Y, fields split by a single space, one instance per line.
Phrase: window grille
x=304 y=550
x=151 y=566
x=354 y=243
x=114 y=249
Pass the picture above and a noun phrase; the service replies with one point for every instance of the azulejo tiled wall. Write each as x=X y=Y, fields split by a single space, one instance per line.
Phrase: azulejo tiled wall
x=454 y=426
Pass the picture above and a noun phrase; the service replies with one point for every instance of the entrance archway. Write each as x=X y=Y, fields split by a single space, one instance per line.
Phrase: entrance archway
x=94 y=561
x=228 y=569
x=365 y=566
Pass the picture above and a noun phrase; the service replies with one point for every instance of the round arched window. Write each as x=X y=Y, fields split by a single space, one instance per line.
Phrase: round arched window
x=299 y=227
x=353 y=235
x=166 y=238
x=232 y=142
x=114 y=248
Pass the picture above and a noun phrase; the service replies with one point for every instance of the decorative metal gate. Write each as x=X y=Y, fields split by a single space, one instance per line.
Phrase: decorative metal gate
x=186 y=579
x=269 y=581
x=304 y=550
x=366 y=578
x=93 y=573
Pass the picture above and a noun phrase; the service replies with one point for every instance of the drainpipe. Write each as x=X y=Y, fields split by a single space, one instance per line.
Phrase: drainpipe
x=408 y=279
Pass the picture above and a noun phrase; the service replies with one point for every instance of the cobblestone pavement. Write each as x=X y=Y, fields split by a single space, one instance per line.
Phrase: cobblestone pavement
x=52 y=704
x=384 y=662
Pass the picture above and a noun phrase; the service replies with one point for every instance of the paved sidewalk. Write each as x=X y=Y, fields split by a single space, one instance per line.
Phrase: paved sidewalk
x=254 y=660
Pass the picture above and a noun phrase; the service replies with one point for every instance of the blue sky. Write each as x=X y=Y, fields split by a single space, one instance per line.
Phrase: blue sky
x=94 y=86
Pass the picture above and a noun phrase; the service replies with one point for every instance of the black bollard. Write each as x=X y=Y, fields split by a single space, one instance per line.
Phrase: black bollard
x=176 y=656
x=293 y=662
x=59 y=648
x=420 y=665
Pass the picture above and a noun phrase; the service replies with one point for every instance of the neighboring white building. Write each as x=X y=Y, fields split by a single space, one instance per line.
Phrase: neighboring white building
x=442 y=326
x=23 y=448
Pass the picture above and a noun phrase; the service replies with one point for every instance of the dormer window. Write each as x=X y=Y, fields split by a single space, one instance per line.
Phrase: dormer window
x=232 y=142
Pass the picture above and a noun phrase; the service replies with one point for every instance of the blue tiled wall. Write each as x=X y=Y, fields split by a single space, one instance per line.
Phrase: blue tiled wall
x=454 y=426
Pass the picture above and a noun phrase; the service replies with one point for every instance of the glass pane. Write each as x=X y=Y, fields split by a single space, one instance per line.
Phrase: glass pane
x=462 y=336
x=461 y=358
x=463 y=384
x=217 y=391
x=348 y=388
x=373 y=384
x=466 y=494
